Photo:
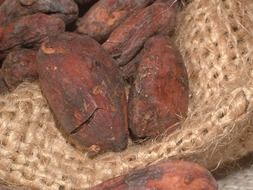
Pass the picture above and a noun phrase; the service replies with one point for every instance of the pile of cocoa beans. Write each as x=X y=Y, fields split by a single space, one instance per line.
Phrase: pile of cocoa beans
x=107 y=68
x=109 y=72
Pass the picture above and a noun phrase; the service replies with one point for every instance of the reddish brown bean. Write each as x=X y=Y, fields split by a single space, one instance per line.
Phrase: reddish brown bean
x=129 y=71
x=171 y=175
x=29 y=31
x=103 y=17
x=1 y=2
x=19 y=66
x=158 y=99
x=126 y=40
x=12 y=10
x=84 y=91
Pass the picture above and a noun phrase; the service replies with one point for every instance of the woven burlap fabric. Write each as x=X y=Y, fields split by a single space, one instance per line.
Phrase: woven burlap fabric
x=240 y=180
x=215 y=38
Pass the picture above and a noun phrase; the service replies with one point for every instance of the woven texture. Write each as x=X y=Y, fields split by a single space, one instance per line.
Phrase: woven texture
x=240 y=180
x=215 y=39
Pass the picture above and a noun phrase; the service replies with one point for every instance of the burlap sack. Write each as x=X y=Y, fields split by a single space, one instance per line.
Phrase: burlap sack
x=215 y=38
x=240 y=180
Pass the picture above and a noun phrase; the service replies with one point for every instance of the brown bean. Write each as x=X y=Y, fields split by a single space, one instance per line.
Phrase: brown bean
x=129 y=71
x=170 y=175
x=103 y=17
x=84 y=91
x=12 y=10
x=19 y=66
x=1 y=2
x=126 y=40
x=158 y=99
x=29 y=31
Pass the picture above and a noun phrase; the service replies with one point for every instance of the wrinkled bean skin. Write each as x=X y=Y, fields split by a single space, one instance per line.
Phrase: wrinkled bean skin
x=103 y=17
x=12 y=10
x=129 y=71
x=127 y=39
x=158 y=99
x=30 y=30
x=170 y=175
x=84 y=91
x=20 y=66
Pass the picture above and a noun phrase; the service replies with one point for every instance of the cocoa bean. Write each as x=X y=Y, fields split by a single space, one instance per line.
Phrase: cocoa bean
x=19 y=66
x=103 y=17
x=29 y=30
x=158 y=99
x=171 y=175
x=12 y=10
x=1 y=2
x=84 y=91
x=126 y=40
x=129 y=71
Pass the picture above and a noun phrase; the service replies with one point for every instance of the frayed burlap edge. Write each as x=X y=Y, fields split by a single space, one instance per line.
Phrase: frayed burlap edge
x=215 y=39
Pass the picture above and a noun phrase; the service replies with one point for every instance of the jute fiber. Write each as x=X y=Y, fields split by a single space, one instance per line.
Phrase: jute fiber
x=215 y=38
x=240 y=180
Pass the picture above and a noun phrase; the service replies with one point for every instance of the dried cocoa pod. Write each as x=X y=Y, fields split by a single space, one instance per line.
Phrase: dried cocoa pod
x=20 y=65
x=170 y=175
x=158 y=99
x=103 y=17
x=29 y=30
x=126 y=40
x=3 y=86
x=12 y=10
x=84 y=91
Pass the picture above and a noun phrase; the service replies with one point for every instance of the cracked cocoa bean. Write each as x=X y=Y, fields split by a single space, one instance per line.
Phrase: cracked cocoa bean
x=84 y=91
x=126 y=40
x=103 y=17
x=12 y=10
x=29 y=31
x=158 y=99
x=170 y=175
x=20 y=66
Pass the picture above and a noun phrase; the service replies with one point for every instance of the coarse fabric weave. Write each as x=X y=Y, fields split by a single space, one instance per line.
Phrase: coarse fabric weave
x=215 y=38
x=239 y=180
